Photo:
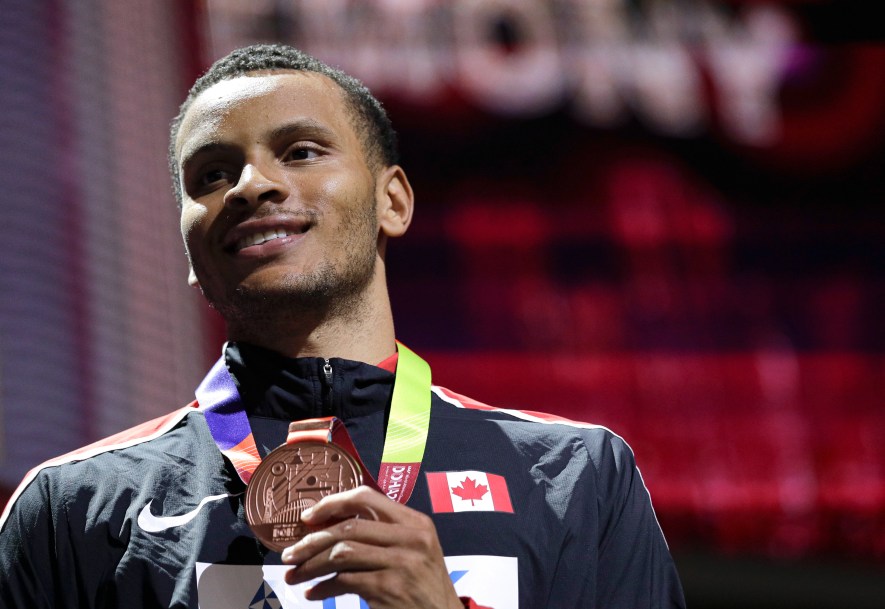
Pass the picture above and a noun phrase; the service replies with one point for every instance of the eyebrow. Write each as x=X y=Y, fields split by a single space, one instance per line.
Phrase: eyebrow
x=188 y=155
x=302 y=127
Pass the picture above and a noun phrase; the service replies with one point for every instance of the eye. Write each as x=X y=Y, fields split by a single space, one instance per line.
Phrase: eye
x=301 y=152
x=212 y=176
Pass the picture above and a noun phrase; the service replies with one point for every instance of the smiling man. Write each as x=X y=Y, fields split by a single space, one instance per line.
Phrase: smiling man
x=318 y=462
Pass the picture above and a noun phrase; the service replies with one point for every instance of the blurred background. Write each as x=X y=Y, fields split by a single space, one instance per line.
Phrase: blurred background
x=662 y=217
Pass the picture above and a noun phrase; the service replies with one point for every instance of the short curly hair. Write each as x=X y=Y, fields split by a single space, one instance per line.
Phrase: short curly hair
x=369 y=117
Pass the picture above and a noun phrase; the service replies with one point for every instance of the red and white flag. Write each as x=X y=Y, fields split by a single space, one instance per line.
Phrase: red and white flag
x=468 y=491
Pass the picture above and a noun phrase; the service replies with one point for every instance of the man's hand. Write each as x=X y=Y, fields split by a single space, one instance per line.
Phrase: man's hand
x=393 y=562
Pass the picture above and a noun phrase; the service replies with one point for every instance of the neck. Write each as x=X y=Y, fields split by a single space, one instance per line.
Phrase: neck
x=363 y=333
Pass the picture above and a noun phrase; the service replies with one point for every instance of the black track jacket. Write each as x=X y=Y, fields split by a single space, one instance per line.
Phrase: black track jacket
x=153 y=517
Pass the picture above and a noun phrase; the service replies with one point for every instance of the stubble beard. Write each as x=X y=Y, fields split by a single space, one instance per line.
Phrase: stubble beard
x=306 y=300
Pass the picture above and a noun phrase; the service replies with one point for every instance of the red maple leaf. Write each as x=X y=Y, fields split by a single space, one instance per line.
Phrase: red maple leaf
x=469 y=490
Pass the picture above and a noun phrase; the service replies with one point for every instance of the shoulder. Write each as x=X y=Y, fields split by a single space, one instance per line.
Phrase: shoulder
x=585 y=467
x=103 y=460
x=462 y=402
x=600 y=442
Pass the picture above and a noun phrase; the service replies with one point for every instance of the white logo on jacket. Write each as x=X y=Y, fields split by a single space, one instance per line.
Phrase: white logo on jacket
x=155 y=524
x=489 y=580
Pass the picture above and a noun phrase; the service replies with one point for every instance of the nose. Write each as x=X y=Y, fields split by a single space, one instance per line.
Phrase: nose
x=255 y=187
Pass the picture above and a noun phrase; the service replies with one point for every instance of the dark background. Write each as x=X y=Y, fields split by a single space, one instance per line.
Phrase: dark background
x=713 y=297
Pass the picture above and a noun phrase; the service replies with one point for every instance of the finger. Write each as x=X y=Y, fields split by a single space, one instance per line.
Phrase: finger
x=364 y=531
x=360 y=583
x=343 y=556
x=387 y=589
x=363 y=502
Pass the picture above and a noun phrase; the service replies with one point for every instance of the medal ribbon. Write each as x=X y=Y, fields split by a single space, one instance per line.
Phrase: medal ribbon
x=226 y=417
x=404 y=441
x=407 y=427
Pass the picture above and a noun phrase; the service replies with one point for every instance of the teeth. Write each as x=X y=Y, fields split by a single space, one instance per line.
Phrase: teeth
x=259 y=238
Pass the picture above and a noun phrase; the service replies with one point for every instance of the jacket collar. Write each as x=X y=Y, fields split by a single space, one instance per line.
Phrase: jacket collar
x=272 y=385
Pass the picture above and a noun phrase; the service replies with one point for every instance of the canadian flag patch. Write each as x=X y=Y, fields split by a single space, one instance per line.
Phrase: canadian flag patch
x=468 y=491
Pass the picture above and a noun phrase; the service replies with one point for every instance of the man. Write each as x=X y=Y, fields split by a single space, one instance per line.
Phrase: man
x=286 y=173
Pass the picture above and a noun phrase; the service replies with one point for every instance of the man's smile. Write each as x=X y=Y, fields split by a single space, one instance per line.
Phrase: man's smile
x=249 y=236
x=261 y=238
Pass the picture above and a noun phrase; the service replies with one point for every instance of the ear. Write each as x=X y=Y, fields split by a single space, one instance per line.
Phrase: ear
x=192 y=277
x=395 y=201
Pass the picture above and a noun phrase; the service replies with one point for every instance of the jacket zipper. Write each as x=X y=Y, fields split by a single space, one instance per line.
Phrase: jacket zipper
x=327 y=399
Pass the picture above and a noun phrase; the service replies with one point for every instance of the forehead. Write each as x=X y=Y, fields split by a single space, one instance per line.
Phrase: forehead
x=248 y=104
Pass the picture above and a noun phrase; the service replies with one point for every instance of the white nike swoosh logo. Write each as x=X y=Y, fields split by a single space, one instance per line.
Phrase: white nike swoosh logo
x=154 y=524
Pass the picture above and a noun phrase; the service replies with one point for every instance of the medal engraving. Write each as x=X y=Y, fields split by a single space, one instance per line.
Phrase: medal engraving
x=292 y=478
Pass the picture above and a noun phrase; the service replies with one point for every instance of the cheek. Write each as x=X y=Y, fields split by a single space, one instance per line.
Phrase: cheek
x=324 y=193
x=336 y=191
x=192 y=222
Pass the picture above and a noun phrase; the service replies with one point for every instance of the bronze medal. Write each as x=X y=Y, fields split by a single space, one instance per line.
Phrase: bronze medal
x=292 y=478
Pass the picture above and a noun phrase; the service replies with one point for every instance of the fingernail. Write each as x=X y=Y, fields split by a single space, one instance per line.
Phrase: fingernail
x=307 y=513
x=287 y=554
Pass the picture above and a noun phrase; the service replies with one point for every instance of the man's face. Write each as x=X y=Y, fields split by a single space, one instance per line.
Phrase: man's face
x=278 y=197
